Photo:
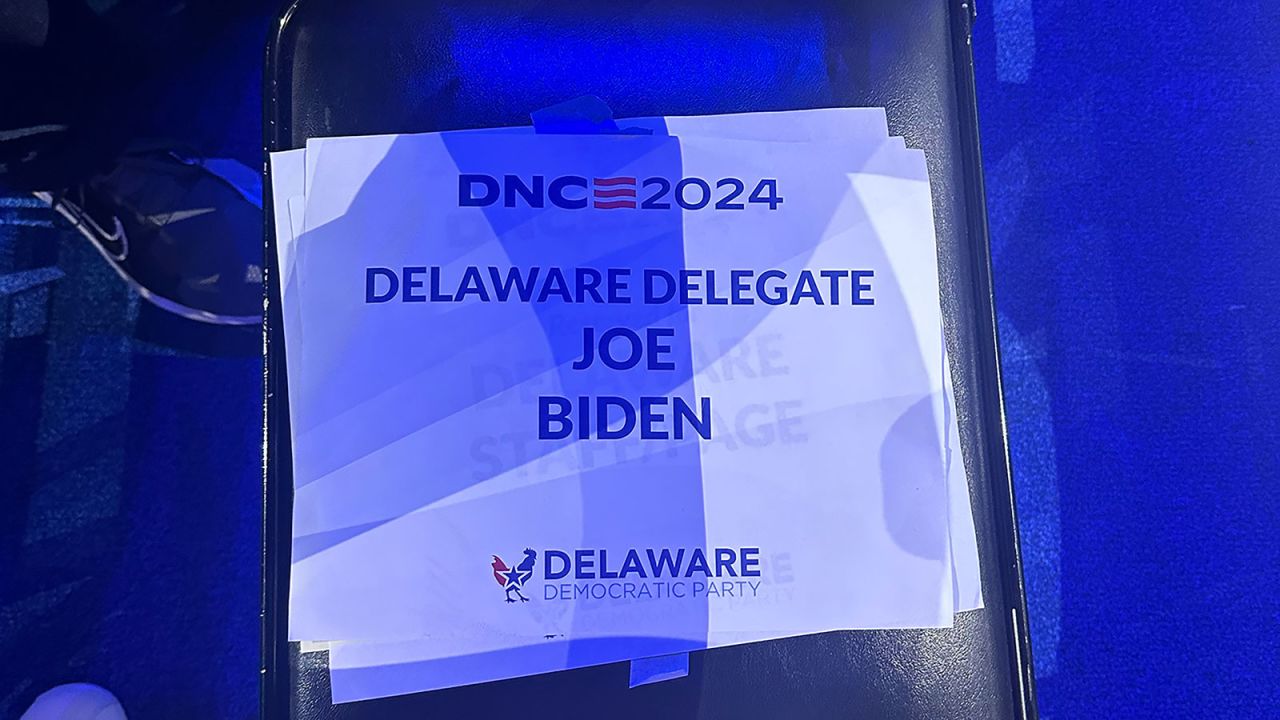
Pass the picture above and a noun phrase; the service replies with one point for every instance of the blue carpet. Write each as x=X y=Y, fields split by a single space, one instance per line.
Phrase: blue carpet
x=1130 y=151
x=130 y=501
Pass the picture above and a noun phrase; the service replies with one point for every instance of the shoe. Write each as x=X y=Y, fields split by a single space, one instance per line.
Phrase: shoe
x=77 y=701
x=184 y=232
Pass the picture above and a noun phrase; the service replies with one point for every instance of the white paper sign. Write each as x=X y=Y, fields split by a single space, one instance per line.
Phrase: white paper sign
x=775 y=309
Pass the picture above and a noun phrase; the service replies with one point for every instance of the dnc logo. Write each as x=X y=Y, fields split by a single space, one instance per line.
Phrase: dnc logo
x=513 y=579
x=576 y=192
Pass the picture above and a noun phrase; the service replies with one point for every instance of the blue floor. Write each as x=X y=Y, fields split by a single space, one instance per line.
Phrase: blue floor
x=130 y=503
x=1130 y=156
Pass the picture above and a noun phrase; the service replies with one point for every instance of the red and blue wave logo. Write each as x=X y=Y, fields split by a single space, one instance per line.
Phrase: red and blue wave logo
x=614 y=193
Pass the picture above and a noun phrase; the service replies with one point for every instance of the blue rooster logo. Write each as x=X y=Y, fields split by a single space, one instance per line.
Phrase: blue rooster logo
x=513 y=579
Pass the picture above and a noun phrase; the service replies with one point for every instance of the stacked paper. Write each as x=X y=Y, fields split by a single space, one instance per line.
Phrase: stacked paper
x=562 y=399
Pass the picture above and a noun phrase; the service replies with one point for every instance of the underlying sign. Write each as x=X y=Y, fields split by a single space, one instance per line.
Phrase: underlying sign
x=532 y=429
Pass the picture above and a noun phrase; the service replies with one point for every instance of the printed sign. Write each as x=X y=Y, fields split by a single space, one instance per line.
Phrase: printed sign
x=560 y=400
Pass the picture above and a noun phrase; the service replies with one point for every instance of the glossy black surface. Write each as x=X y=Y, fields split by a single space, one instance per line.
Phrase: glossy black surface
x=380 y=66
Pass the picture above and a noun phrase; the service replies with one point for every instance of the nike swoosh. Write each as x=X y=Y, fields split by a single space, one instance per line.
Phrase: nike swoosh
x=90 y=228
x=176 y=216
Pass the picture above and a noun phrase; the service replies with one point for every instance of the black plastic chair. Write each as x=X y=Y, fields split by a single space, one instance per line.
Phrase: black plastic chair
x=380 y=66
